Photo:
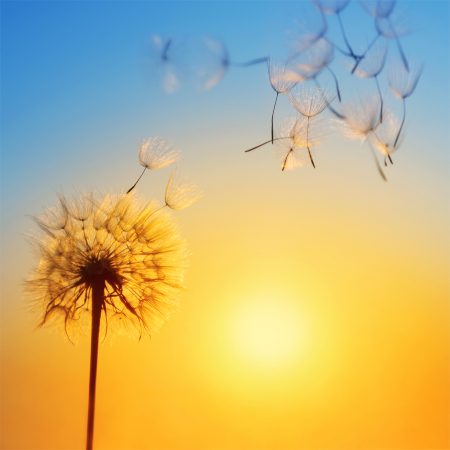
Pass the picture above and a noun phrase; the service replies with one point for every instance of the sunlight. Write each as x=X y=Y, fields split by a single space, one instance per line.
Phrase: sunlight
x=268 y=331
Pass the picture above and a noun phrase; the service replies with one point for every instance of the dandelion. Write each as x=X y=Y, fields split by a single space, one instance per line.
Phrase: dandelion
x=110 y=259
x=371 y=67
x=309 y=103
x=155 y=153
x=180 y=194
x=282 y=81
x=403 y=83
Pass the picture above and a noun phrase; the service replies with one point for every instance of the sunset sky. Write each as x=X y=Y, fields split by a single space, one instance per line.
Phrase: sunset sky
x=316 y=310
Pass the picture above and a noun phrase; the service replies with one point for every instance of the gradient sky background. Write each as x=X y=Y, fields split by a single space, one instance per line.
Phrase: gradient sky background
x=343 y=278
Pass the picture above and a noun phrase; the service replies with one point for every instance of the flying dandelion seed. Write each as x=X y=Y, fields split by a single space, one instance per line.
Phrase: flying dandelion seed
x=361 y=120
x=309 y=63
x=309 y=103
x=383 y=139
x=282 y=81
x=372 y=65
x=155 y=153
x=295 y=150
x=378 y=8
x=309 y=29
x=180 y=194
x=393 y=26
x=210 y=61
x=295 y=142
x=403 y=83
x=163 y=63
x=109 y=259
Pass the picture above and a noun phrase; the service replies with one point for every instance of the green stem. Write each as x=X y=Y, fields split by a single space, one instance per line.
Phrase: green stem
x=98 y=292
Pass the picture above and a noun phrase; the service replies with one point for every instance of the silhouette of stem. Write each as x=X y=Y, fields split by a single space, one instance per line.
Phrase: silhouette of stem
x=137 y=181
x=98 y=292
x=252 y=62
x=336 y=83
x=381 y=98
x=307 y=143
x=358 y=60
x=344 y=35
x=265 y=143
x=380 y=170
x=401 y=125
x=273 y=113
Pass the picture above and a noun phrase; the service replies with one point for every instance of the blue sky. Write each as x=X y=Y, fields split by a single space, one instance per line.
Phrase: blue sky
x=77 y=98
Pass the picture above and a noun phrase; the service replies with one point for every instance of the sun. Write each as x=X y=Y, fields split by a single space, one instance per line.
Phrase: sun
x=268 y=330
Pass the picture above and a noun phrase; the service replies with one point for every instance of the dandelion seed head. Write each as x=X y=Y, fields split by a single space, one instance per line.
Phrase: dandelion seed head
x=181 y=194
x=156 y=153
x=134 y=250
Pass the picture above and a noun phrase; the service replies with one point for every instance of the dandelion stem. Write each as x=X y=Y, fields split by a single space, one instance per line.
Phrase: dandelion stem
x=252 y=62
x=358 y=61
x=265 y=143
x=273 y=113
x=381 y=98
x=307 y=141
x=344 y=35
x=380 y=170
x=401 y=125
x=98 y=292
x=137 y=181
x=336 y=83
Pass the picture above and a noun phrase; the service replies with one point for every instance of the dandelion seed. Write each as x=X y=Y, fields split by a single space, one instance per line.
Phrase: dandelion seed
x=295 y=142
x=180 y=193
x=361 y=119
x=282 y=81
x=312 y=28
x=331 y=6
x=393 y=27
x=116 y=261
x=371 y=67
x=378 y=8
x=210 y=61
x=383 y=139
x=155 y=153
x=403 y=83
x=296 y=149
x=163 y=63
x=309 y=103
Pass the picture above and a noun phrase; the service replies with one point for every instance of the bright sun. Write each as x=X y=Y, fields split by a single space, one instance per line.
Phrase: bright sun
x=268 y=331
